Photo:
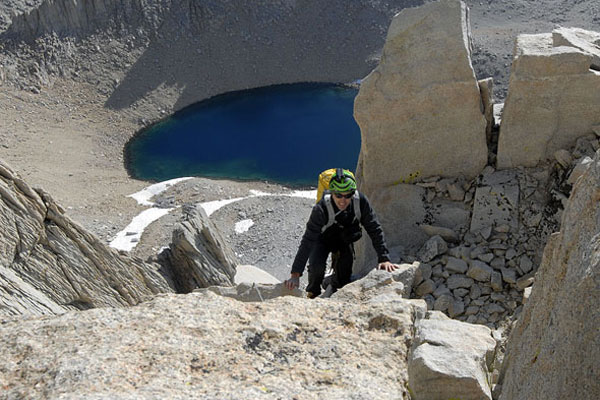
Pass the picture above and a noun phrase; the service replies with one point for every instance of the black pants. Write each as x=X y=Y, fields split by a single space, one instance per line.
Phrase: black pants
x=342 y=267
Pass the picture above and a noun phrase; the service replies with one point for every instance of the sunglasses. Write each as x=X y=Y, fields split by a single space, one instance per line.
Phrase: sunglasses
x=344 y=196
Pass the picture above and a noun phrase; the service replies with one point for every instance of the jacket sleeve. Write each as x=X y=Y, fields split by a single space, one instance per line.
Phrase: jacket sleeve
x=371 y=224
x=311 y=235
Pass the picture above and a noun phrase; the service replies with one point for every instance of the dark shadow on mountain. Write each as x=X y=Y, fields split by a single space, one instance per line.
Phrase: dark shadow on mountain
x=206 y=49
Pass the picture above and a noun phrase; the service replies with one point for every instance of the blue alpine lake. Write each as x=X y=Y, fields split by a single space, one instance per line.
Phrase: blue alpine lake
x=286 y=134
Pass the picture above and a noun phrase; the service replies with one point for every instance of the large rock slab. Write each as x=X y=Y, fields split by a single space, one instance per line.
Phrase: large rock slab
x=553 y=350
x=199 y=255
x=584 y=40
x=380 y=284
x=50 y=264
x=422 y=102
x=553 y=98
x=450 y=360
x=201 y=345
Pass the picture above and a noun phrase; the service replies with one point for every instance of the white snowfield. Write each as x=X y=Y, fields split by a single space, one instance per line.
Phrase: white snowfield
x=143 y=196
x=129 y=237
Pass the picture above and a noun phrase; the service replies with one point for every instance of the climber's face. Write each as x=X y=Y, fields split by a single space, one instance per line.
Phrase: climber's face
x=342 y=200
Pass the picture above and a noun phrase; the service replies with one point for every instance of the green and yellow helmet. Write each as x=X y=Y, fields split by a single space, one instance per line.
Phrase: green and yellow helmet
x=343 y=181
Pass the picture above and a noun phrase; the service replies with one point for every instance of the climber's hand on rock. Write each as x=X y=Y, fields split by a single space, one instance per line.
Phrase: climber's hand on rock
x=387 y=266
x=293 y=282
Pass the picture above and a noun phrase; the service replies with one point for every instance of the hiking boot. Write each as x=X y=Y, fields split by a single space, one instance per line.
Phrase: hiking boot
x=311 y=295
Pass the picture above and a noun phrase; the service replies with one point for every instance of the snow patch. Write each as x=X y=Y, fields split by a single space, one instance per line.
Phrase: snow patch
x=143 y=196
x=129 y=237
x=212 y=206
x=243 y=226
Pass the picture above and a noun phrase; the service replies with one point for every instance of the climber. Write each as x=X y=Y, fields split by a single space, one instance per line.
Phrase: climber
x=333 y=227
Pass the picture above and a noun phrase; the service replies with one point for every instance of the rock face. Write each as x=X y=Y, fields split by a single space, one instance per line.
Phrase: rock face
x=451 y=359
x=553 y=350
x=399 y=209
x=553 y=97
x=586 y=41
x=68 y=17
x=202 y=345
x=198 y=255
x=191 y=50
x=49 y=264
x=423 y=98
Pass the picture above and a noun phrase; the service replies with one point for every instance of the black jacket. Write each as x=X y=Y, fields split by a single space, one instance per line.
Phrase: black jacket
x=318 y=219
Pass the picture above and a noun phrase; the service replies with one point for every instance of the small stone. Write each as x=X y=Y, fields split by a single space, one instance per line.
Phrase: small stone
x=526 y=294
x=456 y=265
x=425 y=270
x=459 y=281
x=486 y=257
x=496 y=281
x=455 y=192
x=510 y=254
x=498 y=246
x=478 y=302
x=446 y=233
x=443 y=302
x=475 y=292
x=441 y=290
x=477 y=251
x=486 y=232
x=423 y=273
x=509 y=276
x=460 y=252
x=434 y=247
x=471 y=310
x=525 y=264
x=456 y=308
x=437 y=271
x=427 y=287
x=486 y=290
x=498 y=297
x=494 y=308
x=504 y=228
x=480 y=271
x=525 y=282
x=498 y=263
x=472 y=319
x=470 y=238
x=441 y=186
x=460 y=292
x=563 y=157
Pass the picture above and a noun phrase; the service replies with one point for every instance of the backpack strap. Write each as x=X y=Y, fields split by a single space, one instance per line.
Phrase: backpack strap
x=331 y=213
x=356 y=205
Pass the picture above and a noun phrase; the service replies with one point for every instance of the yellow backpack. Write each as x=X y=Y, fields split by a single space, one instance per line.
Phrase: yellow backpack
x=324 y=178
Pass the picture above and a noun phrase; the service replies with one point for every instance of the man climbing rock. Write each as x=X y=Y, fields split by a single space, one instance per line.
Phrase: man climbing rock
x=333 y=227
